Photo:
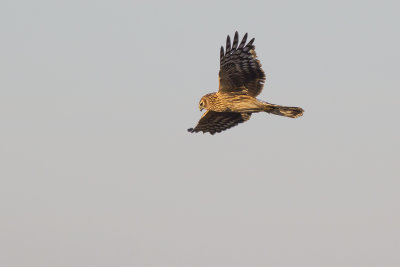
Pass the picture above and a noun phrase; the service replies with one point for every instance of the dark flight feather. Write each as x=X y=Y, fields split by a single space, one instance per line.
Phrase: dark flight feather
x=240 y=70
x=215 y=122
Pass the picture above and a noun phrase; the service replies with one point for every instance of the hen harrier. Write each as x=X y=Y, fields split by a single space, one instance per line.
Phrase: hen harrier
x=241 y=79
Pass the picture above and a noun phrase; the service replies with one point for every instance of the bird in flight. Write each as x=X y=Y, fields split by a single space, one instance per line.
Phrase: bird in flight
x=241 y=79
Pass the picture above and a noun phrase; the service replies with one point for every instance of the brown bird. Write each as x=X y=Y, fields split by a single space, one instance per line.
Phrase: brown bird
x=241 y=79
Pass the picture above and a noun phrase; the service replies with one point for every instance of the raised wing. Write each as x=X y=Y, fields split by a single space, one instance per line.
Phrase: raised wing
x=215 y=122
x=240 y=70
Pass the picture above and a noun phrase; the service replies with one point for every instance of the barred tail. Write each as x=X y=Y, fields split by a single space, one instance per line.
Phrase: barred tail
x=291 y=112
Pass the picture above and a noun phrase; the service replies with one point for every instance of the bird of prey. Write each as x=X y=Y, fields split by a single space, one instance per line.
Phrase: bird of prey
x=241 y=79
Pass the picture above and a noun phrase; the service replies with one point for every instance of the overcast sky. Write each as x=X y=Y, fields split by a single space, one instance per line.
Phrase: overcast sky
x=97 y=168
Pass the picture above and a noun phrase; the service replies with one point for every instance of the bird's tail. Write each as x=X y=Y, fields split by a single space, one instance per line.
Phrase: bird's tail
x=291 y=112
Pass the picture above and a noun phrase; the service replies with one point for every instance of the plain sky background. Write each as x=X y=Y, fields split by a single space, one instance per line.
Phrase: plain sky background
x=97 y=168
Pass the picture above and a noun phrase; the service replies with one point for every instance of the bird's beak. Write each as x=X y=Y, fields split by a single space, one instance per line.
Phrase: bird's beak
x=201 y=109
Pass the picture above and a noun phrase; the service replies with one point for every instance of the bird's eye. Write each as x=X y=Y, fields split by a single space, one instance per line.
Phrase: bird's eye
x=201 y=103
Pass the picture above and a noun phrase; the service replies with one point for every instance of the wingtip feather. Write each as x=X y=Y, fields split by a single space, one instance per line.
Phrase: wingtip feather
x=228 y=44
x=235 y=41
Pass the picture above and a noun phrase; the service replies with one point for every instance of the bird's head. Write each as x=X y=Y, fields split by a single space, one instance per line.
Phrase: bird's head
x=207 y=101
x=203 y=104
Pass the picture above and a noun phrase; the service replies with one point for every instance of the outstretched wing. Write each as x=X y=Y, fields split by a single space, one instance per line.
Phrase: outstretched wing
x=240 y=70
x=215 y=122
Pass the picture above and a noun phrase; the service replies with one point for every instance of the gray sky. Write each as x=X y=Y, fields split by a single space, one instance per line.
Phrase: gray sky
x=97 y=168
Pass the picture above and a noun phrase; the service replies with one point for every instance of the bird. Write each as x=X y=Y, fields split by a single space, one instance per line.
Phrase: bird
x=241 y=80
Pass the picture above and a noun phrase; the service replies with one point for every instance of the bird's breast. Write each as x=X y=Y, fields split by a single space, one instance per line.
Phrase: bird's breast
x=236 y=103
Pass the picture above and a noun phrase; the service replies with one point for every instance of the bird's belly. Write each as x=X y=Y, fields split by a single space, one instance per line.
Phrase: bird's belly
x=242 y=103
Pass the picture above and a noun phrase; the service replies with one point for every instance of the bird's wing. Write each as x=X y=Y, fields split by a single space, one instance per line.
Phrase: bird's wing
x=215 y=122
x=240 y=70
